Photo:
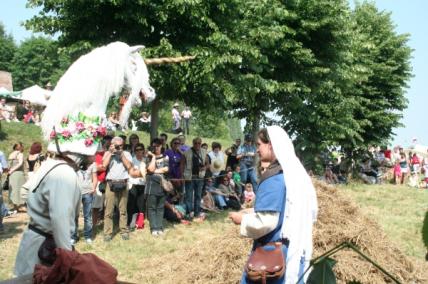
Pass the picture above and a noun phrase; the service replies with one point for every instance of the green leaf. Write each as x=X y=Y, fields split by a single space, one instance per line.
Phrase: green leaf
x=322 y=272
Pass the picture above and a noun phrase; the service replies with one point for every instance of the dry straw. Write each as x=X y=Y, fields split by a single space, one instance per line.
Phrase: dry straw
x=221 y=259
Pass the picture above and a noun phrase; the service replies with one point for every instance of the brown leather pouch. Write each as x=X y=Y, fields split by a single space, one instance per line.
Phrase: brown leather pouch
x=266 y=263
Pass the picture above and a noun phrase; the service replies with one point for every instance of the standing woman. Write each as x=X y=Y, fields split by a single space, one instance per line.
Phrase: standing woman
x=156 y=197
x=16 y=175
x=34 y=158
x=285 y=206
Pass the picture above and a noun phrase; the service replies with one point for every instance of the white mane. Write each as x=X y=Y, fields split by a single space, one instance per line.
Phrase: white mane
x=90 y=81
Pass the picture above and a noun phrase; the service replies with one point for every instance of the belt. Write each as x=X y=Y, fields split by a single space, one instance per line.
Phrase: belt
x=38 y=231
x=118 y=180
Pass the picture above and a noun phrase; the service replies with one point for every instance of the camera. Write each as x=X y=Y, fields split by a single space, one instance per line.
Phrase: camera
x=117 y=147
x=151 y=149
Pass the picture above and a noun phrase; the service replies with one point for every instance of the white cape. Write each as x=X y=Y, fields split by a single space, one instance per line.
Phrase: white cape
x=301 y=206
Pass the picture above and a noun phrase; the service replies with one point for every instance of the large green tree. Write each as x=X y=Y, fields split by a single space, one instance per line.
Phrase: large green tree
x=7 y=49
x=331 y=76
x=38 y=61
x=167 y=28
x=384 y=57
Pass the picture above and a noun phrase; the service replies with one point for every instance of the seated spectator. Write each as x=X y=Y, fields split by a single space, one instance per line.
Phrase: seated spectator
x=208 y=202
x=218 y=196
x=5 y=110
x=175 y=213
x=143 y=124
x=113 y=122
x=329 y=176
x=368 y=170
x=232 y=200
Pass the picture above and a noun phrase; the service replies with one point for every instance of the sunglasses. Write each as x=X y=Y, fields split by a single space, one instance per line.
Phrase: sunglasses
x=139 y=149
x=197 y=143
x=177 y=143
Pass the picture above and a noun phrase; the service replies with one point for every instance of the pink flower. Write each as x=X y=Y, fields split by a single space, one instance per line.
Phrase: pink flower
x=53 y=134
x=102 y=131
x=64 y=120
x=89 y=142
x=80 y=126
x=66 y=134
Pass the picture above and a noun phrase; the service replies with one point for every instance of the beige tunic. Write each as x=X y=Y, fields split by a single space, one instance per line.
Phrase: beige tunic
x=52 y=209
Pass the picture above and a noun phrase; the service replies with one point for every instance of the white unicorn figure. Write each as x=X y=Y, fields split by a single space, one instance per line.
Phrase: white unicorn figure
x=95 y=77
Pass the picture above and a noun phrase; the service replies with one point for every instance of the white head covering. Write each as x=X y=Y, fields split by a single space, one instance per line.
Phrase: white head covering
x=301 y=206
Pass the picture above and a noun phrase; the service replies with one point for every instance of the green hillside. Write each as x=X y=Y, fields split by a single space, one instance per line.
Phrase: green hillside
x=13 y=132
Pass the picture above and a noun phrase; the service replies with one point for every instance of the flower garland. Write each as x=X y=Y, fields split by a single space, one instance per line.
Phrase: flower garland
x=80 y=127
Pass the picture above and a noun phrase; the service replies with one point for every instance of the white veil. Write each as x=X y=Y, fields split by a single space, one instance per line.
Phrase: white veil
x=301 y=206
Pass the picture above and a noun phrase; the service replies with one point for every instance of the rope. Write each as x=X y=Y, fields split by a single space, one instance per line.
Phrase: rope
x=182 y=179
x=167 y=60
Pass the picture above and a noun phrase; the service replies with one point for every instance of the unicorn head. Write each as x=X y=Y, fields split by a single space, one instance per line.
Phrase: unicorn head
x=86 y=87
x=137 y=80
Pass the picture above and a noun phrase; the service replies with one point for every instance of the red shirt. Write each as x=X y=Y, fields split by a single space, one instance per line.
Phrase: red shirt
x=387 y=154
x=99 y=161
x=415 y=160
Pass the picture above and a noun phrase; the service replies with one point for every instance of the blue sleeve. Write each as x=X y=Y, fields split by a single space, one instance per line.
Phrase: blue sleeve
x=240 y=150
x=270 y=194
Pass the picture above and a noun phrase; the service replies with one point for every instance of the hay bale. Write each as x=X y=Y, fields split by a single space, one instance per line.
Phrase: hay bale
x=341 y=220
x=221 y=259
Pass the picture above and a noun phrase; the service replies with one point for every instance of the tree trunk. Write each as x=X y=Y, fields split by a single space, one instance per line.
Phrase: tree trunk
x=154 y=124
x=255 y=127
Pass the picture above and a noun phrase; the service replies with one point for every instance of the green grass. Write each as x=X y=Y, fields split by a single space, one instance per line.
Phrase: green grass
x=400 y=210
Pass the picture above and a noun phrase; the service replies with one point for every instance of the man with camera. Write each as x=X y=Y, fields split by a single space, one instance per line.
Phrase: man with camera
x=118 y=163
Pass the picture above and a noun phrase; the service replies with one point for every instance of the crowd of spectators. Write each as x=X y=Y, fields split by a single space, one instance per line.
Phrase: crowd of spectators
x=23 y=111
x=125 y=181
x=380 y=165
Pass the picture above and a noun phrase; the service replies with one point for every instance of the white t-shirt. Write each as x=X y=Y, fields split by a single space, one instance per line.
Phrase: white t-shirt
x=175 y=114
x=85 y=178
x=186 y=114
x=136 y=164
x=217 y=162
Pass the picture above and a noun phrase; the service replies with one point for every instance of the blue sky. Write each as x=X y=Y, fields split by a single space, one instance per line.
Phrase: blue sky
x=409 y=17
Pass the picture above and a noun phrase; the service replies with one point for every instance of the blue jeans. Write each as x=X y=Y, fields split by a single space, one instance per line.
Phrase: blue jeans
x=220 y=200
x=193 y=196
x=87 y=199
x=246 y=173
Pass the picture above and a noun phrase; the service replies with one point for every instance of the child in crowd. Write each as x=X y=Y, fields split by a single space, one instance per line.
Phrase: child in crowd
x=249 y=196
x=397 y=171
x=236 y=177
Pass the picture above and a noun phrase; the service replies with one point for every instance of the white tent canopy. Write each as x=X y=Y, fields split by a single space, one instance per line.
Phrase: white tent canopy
x=36 y=95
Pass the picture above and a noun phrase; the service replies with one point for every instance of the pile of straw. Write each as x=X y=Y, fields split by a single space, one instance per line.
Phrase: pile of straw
x=221 y=259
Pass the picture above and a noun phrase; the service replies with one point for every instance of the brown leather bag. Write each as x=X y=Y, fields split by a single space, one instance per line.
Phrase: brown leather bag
x=266 y=263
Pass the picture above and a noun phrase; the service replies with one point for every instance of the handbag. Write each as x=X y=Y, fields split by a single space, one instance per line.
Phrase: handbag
x=166 y=184
x=266 y=263
x=117 y=185
x=6 y=183
x=102 y=186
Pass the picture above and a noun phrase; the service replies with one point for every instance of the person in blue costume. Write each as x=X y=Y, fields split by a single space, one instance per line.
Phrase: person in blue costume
x=285 y=206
